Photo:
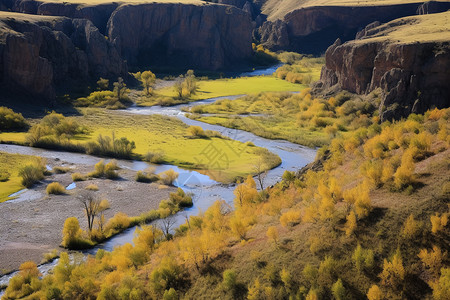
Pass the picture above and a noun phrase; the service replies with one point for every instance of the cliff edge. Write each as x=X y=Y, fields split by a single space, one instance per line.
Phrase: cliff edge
x=407 y=59
x=38 y=54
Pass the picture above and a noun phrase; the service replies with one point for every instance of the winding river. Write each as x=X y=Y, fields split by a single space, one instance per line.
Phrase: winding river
x=204 y=189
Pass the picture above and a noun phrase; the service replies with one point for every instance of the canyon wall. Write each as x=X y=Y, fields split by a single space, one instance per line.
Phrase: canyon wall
x=39 y=54
x=178 y=35
x=208 y=37
x=413 y=74
x=312 y=29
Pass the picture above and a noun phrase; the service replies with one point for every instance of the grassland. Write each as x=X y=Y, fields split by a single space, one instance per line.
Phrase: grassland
x=168 y=137
x=227 y=87
x=395 y=248
x=276 y=9
x=298 y=118
x=425 y=28
x=10 y=165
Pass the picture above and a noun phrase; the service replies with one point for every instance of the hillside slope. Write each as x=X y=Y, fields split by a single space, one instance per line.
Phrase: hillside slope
x=311 y=26
x=406 y=58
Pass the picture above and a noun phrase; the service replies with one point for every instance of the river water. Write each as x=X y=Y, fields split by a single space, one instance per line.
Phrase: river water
x=204 y=189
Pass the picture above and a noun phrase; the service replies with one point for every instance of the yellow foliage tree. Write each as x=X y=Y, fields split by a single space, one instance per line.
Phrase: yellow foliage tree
x=375 y=293
x=290 y=218
x=441 y=288
x=438 y=223
x=238 y=227
x=351 y=224
x=71 y=231
x=411 y=228
x=432 y=260
x=393 y=272
x=272 y=233
x=404 y=175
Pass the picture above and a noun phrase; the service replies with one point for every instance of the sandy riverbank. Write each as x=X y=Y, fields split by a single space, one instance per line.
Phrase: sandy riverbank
x=31 y=225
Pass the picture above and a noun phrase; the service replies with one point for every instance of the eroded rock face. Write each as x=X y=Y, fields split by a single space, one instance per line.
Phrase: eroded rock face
x=200 y=36
x=167 y=34
x=39 y=54
x=313 y=29
x=413 y=77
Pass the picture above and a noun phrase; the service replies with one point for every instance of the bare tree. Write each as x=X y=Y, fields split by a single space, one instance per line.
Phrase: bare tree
x=261 y=174
x=166 y=225
x=91 y=207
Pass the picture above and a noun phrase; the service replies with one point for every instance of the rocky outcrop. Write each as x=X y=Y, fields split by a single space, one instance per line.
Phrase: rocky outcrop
x=39 y=54
x=162 y=34
x=312 y=29
x=98 y=14
x=188 y=36
x=412 y=75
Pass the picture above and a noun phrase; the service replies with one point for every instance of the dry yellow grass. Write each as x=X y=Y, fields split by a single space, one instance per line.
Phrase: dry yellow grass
x=95 y=2
x=277 y=9
x=425 y=28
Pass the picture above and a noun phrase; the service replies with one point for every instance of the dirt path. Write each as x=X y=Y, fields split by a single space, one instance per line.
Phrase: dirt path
x=31 y=226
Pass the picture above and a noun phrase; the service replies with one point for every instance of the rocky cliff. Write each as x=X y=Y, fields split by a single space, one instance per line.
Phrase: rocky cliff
x=185 y=34
x=170 y=34
x=311 y=29
x=407 y=59
x=39 y=54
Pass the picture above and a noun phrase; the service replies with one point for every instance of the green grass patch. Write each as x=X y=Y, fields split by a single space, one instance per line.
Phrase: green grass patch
x=10 y=165
x=223 y=159
x=225 y=87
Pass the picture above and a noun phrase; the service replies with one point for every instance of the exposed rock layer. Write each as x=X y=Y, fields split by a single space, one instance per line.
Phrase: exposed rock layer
x=313 y=29
x=413 y=76
x=38 y=54
x=205 y=37
x=200 y=35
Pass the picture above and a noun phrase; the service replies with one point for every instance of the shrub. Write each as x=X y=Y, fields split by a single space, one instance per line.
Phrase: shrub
x=99 y=169
x=290 y=218
x=404 y=175
x=9 y=120
x=154 y=157
x=168 y=177
x=411 y=228
x=112 y=147
x=146 y=177
x=350 y=225
x=441 y=288
x=393 y=272
x=61 y=170
x=432 y=260
x=338 y=290
x=229 y=280
x=78 y=177
x=110 y=170
x=181 y=199
x=272 y=233
x=196 y=131
x=71 y=232
x=363 y=258
x=55 y=188
x=375 y=293
x=92 y=187
x=31 y=174
x=438 y=223
x=119 y=222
